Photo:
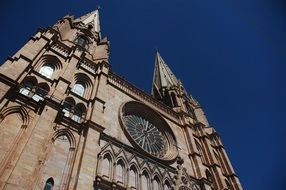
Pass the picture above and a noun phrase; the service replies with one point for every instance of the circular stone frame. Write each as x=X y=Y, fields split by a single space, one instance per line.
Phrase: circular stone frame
x=141 y=110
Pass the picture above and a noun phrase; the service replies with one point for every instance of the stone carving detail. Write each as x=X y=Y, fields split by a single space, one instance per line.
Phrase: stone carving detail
x=61 y=49
x=119 y=170
x=148 y=130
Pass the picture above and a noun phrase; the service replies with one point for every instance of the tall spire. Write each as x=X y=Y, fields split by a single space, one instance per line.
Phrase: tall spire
x=168 y=89
x=91 y=19
x=163 y=77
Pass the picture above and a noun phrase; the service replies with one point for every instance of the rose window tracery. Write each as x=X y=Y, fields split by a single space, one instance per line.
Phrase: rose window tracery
x=148 y=130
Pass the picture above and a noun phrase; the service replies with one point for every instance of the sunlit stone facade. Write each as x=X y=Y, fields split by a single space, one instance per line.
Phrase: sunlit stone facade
x=68 y=122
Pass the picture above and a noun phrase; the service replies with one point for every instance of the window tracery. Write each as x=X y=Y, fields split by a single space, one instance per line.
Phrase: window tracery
x=150 y=177
x=147 y=130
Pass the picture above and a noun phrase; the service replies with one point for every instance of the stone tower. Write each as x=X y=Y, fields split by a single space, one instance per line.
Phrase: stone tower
x=68 y=122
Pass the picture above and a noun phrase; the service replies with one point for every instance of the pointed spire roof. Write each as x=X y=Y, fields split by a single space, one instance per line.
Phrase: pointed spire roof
x=163 y=76
x=91 y=19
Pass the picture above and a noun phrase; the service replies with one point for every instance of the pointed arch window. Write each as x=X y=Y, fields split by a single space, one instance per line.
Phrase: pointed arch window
x=145 y=181
x=82 y=41
x=227 y=184
x=120 y=173
x=200 y=151
x=60 y=154
x=167 y=185
x=174 y=99
x=79 y=89
x=49 y=184
x=133 y=180
x=209 y=175
x=220 y=161
x=106 y=167
x=47 y=70
x=156 y=183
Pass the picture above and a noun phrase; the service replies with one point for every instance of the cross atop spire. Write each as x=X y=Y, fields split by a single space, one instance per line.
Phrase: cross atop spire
x=163 y=77
x=91 y=19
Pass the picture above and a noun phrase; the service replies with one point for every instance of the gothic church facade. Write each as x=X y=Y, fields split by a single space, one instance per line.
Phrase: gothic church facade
x=68 y=122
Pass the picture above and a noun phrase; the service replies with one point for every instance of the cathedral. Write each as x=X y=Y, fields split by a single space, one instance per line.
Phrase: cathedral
x=68 y=122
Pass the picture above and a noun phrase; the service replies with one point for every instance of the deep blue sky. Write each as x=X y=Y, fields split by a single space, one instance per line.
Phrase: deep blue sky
x=230 y=55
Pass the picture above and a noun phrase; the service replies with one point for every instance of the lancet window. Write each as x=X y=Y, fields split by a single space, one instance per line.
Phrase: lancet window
x=145 y=181
x=133 y=177
x=120 y=171
x=156 y=183
x=82 y=41
x=106 y=166
x=49 y=184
